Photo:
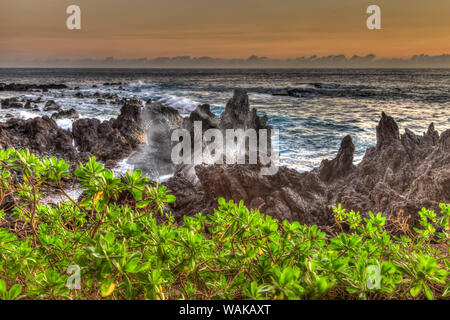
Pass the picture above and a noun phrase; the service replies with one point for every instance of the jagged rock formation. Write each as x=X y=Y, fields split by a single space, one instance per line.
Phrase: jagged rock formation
x=110 y=140
x=340 y=166
x=40 y=135
x=154 y=156
x=237 y=115
x=203 y=114
x=402 y=173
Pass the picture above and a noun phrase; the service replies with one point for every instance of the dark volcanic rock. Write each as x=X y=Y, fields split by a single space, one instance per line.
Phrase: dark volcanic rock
x=100 y=139
x=401 y=174
x=29 y=87
x=71 y=114
x=40 y=135
x=398 y=175
x=129 y=123
x=340 y=166
x=11 y=103
x=52 y=106
x=113 y=139
x=238 y=114
x=287 y=194
x=204 y=115
x=387 y=132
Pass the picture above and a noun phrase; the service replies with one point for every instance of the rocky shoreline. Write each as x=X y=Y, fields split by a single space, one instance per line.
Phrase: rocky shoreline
x=400 y=175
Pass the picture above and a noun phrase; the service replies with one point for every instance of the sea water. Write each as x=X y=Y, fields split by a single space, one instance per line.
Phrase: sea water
x=331 y=103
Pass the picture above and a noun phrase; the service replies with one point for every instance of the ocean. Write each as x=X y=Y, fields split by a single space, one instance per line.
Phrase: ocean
x=331 y=102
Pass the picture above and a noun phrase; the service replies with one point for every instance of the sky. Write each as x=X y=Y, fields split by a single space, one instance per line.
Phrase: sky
x=279 y=29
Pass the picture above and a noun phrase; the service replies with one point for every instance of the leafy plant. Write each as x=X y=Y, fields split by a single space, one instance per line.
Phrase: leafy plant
x=126 y=244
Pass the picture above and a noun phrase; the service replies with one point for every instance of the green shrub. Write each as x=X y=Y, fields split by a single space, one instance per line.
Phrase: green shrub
x=125 y=244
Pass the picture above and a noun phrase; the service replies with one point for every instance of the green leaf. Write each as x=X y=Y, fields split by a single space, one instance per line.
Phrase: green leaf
x=447 y=290
x=2 y=286
x=170 y=198
x=15 y=291
x=428 y=292
x=107 y=287
x=142 y=204
x=109 y=238
x=137 y=194
x=416 y=289
x=132 y=263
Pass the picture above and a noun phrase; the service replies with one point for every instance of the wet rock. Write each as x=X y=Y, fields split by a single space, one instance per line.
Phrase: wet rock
x=110 y=96
x=63 y=114
x=30 y=87
x=237 y=115
x=280 y=92
x=11 y=103
x=292 y=92
x=52 y=106
x=156 y=112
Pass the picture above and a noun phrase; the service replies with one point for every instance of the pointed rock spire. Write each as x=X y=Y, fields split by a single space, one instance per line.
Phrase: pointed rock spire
x=387 y=131
x=340 y=166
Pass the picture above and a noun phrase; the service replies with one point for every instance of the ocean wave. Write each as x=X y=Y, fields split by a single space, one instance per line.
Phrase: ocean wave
x=65 y=123
x=179 y=102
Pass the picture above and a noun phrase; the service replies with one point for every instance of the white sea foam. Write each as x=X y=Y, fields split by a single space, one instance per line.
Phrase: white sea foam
x=179 y=103
x=65 y=123
x=165 y=177
x=28 y=114
x=123 y=167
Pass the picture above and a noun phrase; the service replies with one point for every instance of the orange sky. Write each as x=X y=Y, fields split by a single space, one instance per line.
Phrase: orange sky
x=226 y=29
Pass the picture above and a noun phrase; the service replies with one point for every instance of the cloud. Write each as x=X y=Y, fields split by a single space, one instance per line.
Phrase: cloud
x=330 y=61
